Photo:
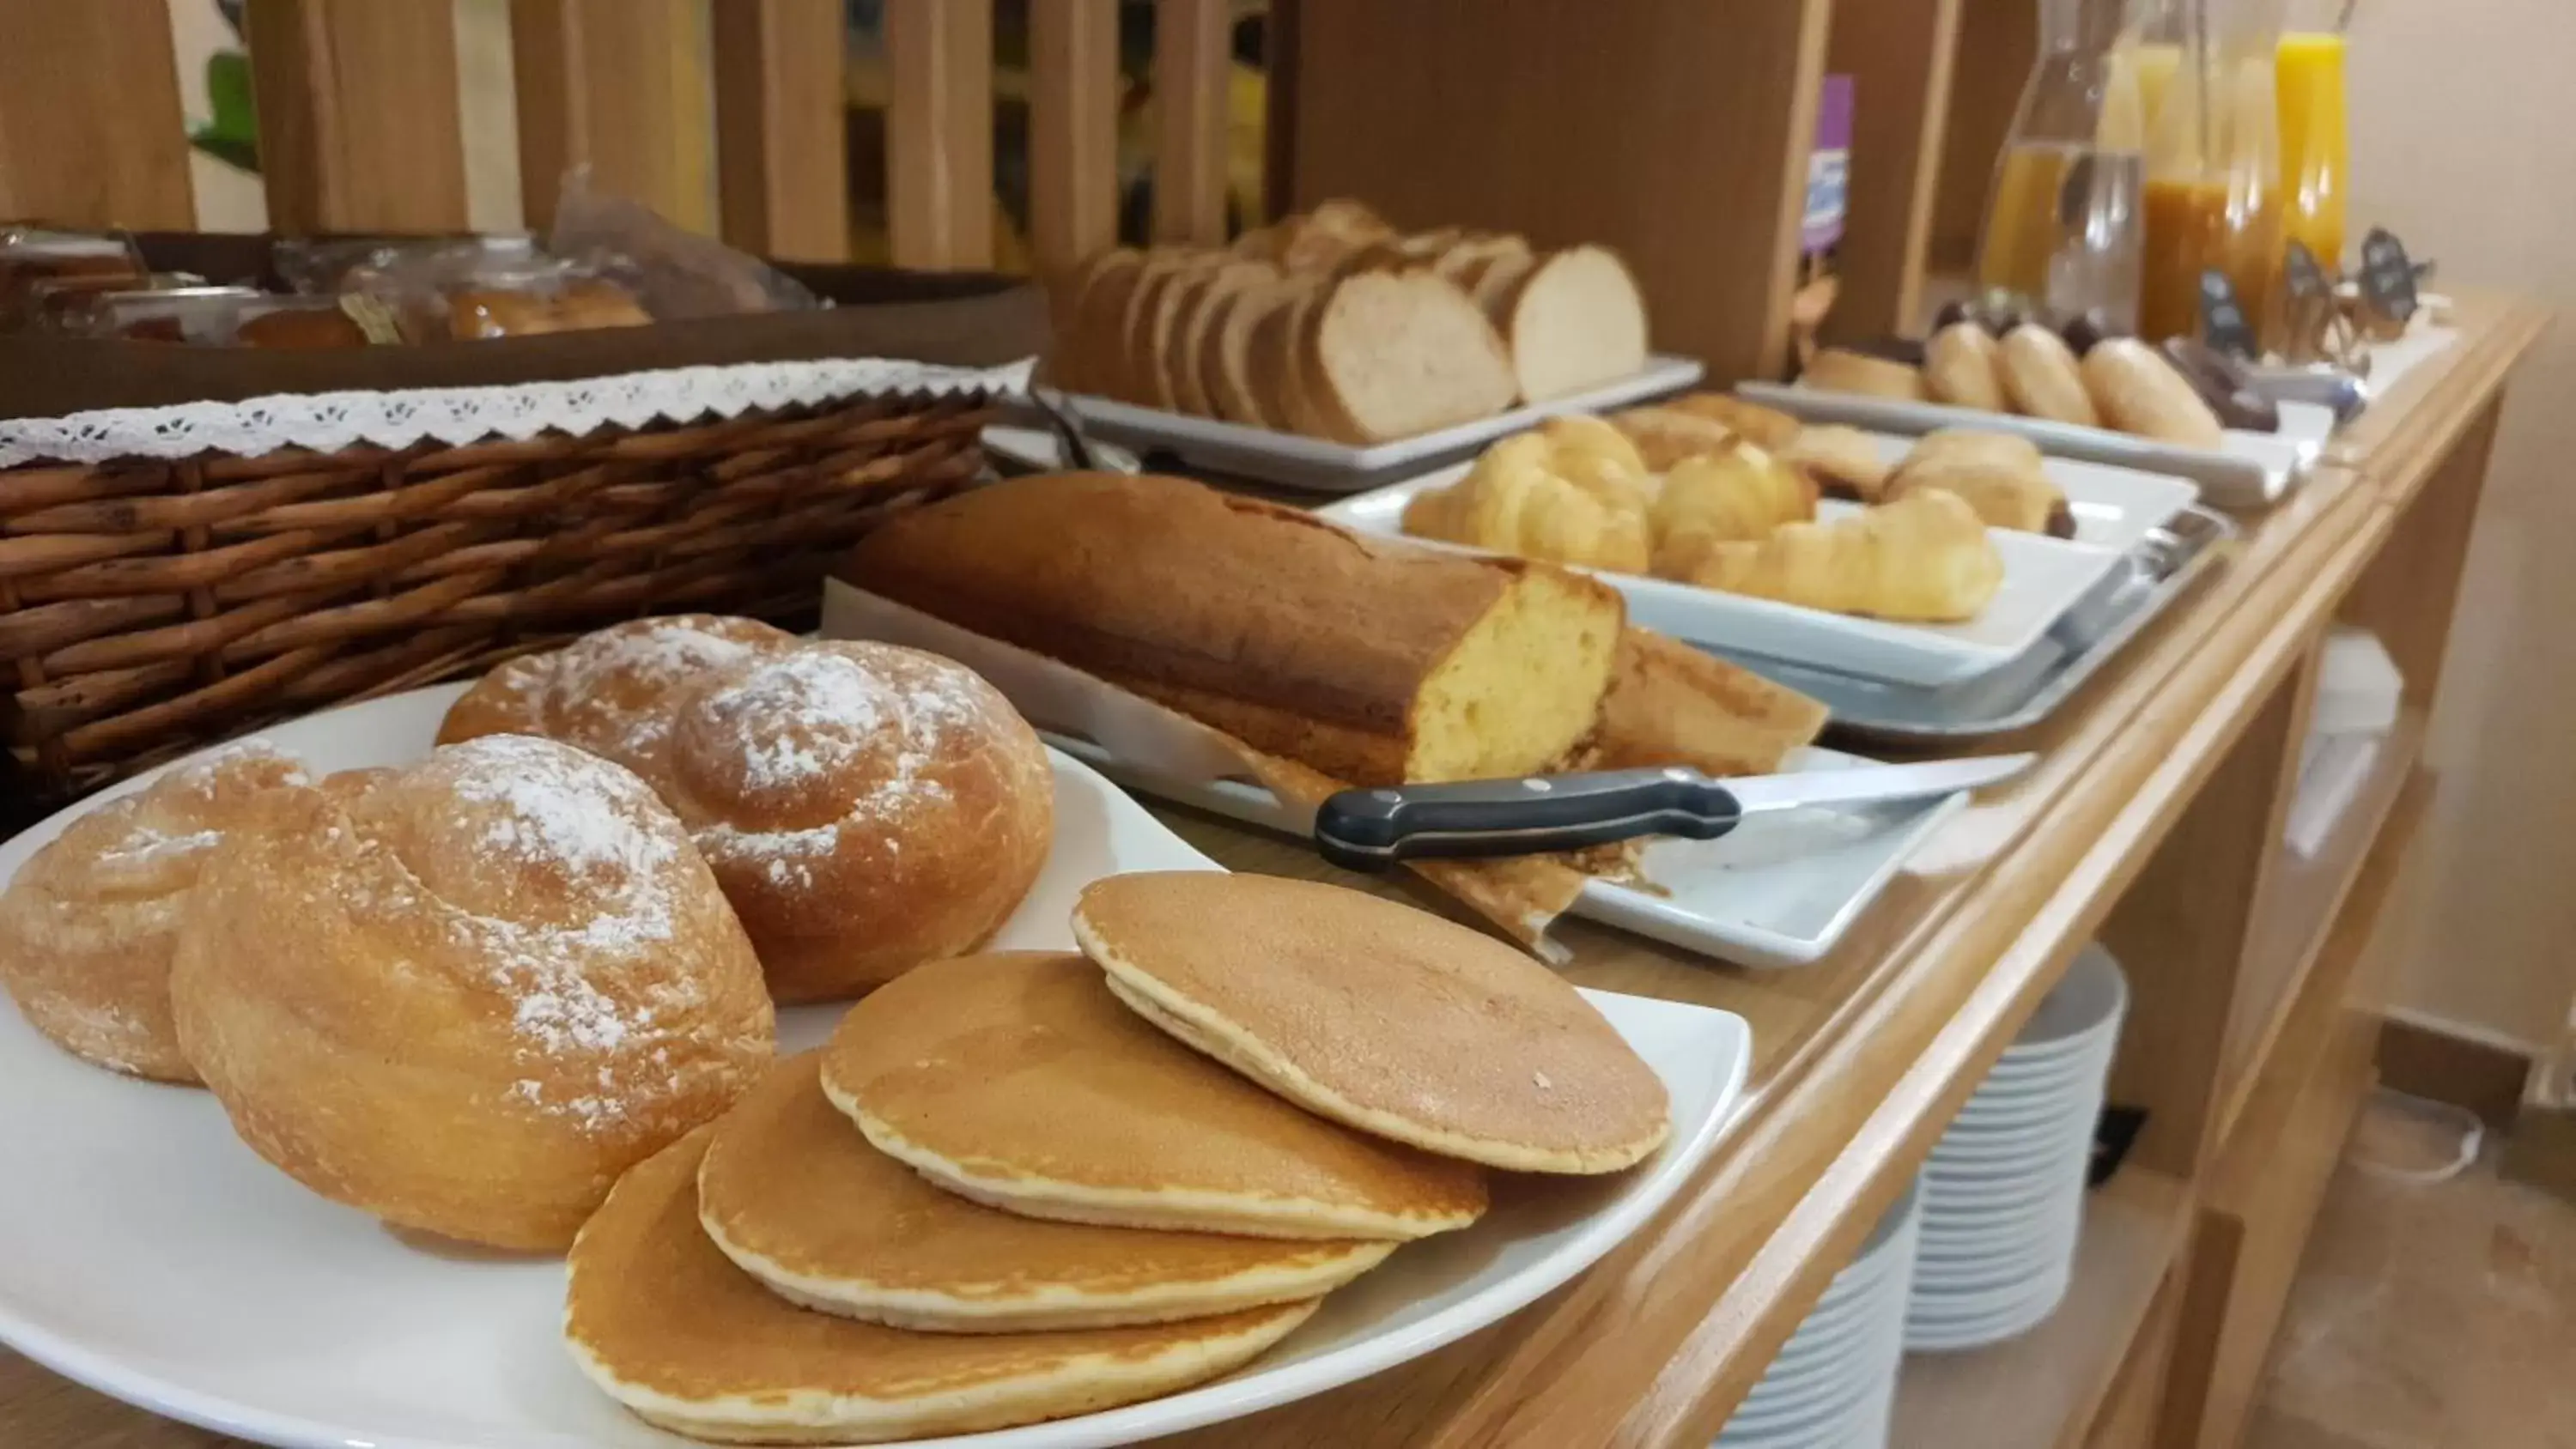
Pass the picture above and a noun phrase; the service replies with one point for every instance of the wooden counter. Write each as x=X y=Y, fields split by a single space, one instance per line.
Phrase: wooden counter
x=2150 y=821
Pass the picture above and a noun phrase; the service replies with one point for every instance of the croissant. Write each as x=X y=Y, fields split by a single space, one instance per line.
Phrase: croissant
x=1740 y=495
x=1664 y=436
x=1571 y=503
x=1922 y=559
x=1998 y=475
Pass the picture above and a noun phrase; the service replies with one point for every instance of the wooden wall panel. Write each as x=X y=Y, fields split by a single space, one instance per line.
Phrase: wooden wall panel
x=1073 y=130
x=358 y=114
x=1899 y=54
x=939 y=132
x=1191 y=71
x=1677 y=133
x=620 y=85
x=783 y=169
x=90 y=128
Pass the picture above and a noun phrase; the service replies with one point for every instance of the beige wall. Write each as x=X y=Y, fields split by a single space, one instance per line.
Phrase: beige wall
x=2464 y=136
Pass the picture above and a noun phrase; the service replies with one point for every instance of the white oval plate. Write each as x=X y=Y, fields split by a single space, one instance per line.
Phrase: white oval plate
x=146 y=1252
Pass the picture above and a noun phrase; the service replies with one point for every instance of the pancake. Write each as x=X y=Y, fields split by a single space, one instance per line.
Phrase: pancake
x=1017 y=1080
x=798 y=1199
x=1375 y=1014
x=666 y=1326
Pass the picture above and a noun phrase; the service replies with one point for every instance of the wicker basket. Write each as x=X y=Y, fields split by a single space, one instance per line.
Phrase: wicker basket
x=148 y=607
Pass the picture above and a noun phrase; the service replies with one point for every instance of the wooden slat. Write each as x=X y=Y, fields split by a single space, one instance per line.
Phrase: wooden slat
x=358 y=114
x=1678 y=134
x=621 y=86
x=1073 y=130
x=90 y=127
x=1191 y=70
x=1899 y=55
x=939 y=132
x=783 y=174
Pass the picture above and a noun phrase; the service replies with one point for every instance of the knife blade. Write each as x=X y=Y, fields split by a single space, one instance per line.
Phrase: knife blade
x=1373 y=829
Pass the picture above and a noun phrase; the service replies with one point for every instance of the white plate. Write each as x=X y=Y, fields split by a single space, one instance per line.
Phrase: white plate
x=2248 y=470
x=146 y=1252
x=2043 y=578
x=1327 y=467
x=1778 y=892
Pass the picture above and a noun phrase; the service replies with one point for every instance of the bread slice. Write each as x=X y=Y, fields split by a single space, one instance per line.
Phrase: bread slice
x=1086 y=340
x=1184 y=370
x=1226 y=350
x=1468 y=257
x=1394 y=355
x=1496 y=281
x=1576 y=321
x=1155 y=364
x=1134 y=370
x=1271 y=358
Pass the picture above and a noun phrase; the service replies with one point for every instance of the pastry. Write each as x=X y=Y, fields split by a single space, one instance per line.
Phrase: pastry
x=1018 y=1080
x=1840 y=369
x=1671 y=704
x=1579 y=502
x=1999 y=475
x=2041 y=378
x=466 y=994
x=865 y=807
x=1379 y=1016
x=1767 y=428
x=1738 y=495
x=1923 y=559
x=1964 y=368
x=2141 y=393
x=89 y=923
x=1664 y=436
x=1575 y=320
x=798 y=1199
x=1371 y=660
x=1845 y=462
x=610 y=692
x=659 y=1320
x=1389 y=355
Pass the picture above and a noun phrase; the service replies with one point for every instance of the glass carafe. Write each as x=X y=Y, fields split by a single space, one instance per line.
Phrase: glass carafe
x=2062 y=221
x=2214 y=170
x=2316 y=144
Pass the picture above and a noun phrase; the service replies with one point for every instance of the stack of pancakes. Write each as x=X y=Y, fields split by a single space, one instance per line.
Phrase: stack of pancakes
x=1026 y=1185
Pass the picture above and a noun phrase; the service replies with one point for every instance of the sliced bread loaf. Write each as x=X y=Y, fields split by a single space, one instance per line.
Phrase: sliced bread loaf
x=1086 y=342
x=1395 y=354
x=1184 y=372
x=1577 y=320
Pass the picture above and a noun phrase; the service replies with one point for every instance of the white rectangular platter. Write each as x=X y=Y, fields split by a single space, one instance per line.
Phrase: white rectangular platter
x=1296 y=461
x=2043 y=578
x=2250 y=470
x=147 y=1253
x=1778 y=892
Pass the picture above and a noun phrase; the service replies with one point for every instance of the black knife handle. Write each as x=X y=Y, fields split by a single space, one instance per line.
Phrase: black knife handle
x=1373 y=829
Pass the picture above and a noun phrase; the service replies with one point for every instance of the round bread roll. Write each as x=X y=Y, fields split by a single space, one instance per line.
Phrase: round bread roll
x=2040 y=377
x=466 y=995
x=87 y=928
x=1963 y=367
x=1838 y=369
x=2141 y=393
x=867 y=808
x=610 y=692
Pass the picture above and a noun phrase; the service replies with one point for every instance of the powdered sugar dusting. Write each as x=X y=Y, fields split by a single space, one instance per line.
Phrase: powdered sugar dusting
x=656 y=656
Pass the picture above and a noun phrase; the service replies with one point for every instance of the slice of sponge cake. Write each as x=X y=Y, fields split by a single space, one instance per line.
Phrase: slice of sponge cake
x=1372 y=660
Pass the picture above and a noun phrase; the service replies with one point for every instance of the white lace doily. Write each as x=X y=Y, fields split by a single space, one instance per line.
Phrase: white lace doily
x=329 y=421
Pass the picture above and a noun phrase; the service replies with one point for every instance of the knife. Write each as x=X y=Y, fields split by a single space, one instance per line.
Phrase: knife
x=1373 y=829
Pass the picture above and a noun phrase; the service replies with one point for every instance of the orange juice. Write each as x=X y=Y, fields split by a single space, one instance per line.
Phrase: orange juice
x=2316 y=162
x=2021 y=220
x=2192 y=227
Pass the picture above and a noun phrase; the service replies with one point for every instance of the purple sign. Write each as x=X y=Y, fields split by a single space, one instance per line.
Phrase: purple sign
x=1829 y=165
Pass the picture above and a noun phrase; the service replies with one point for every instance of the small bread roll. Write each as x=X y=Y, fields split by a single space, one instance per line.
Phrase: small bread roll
x=1963 y=367
x=610 y=692
x=2040 y=376
x=1845 y=462
x=866 y=807
x=2005 y=451
x=466 y=995
x=87 y=928
x=1838 y=369
x=2141 y=393
x=2003 y=477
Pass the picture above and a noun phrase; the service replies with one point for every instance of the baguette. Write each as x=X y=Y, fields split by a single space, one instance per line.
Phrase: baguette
x=1373 y=660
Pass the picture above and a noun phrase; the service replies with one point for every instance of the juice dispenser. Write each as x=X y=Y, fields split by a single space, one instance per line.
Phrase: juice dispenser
x=2213 y=190
x=2062 y=220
